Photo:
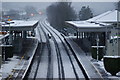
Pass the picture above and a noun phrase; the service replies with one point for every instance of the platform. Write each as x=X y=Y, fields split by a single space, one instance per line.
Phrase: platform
x=12 y=66
x=95 y=69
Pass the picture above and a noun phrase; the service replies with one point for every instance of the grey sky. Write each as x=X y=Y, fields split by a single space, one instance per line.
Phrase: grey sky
x=21 y=5
x=97 y=7
x=59 y=0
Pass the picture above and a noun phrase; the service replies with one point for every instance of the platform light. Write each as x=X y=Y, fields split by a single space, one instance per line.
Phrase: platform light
x=40 y=12
x=8 y=16
x=32 y=14
x=9 y=19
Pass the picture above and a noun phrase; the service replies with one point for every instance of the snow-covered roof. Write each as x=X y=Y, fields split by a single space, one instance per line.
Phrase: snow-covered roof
x=97 y=23
x=20 y=25
x=111 y=56
x=114 y=37
x=99 y=16
x=109 y=17
x=85 y=24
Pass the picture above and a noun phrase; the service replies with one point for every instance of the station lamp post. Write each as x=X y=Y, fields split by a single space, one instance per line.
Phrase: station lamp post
x=118 y=26
x=97 y=39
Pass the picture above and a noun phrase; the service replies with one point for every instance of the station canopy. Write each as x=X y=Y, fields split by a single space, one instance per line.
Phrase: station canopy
x=19 y=25
x=107 y=17
x=96 y=24
x=85 y=26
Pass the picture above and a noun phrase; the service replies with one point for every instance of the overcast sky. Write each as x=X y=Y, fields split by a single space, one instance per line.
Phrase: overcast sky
x=96 y=7
x=59 y=0
x=22 y=5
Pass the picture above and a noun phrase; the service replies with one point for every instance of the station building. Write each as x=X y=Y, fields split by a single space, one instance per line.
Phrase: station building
x=100 y=26
x=17 y=31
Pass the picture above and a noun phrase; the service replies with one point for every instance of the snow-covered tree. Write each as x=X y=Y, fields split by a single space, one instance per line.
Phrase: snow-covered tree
x=85 y=13
x=60 y=12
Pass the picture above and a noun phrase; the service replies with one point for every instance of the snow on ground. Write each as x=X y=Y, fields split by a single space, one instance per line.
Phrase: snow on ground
x=9 y=65
x=100 y=66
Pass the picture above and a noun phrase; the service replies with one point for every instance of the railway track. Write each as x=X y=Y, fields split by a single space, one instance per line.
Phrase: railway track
x=43 y=53
x=50 y=68
x=21 y=68
x=58 y=56
x=75 y=68
x=55 y=59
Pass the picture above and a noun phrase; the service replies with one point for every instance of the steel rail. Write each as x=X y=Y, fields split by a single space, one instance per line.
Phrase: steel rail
x=60 y=62
x=86 y=77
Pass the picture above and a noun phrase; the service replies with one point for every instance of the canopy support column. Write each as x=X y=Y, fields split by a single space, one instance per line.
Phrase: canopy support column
x=10 y=37
x=24 y=34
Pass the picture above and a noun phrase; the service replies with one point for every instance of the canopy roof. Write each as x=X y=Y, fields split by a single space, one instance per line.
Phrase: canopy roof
x=107 y=17
x=98 y=23
x=85 y=26
x=20 y=25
